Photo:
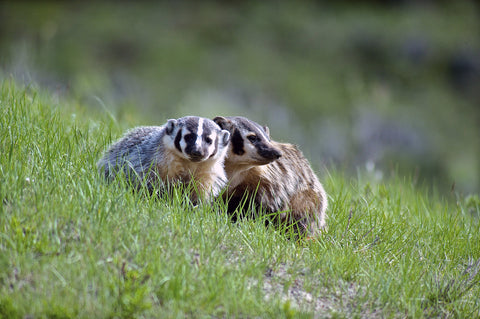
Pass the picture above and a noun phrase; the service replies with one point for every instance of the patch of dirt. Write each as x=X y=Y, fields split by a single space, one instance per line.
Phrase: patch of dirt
x=277 y=282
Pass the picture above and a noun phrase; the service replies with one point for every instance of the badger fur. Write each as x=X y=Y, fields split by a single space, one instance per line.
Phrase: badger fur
x=275 y=177
x=182 y=150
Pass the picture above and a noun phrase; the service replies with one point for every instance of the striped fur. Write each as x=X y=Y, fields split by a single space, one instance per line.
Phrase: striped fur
x=273 y=176
x=189 y=148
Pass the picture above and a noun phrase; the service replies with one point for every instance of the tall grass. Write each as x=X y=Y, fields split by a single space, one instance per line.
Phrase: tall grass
x=72 y=245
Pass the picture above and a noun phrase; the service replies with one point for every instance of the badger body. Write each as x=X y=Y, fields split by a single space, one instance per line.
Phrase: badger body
x=182 y=150
x=275 y=177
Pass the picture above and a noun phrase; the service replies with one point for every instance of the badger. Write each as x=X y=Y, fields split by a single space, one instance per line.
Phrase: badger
x=183 y=150
x=272 y=178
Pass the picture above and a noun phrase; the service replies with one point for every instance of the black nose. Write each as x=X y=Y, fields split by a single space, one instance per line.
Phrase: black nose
x=270 y=153
x=196 y=153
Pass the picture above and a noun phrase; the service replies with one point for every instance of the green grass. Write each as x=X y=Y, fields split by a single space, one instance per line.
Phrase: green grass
x=73 y=246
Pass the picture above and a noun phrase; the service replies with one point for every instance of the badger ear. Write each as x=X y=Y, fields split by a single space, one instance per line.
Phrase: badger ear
x=225 y=137
x=222 y=122
x=170 y=126
x=267 y=130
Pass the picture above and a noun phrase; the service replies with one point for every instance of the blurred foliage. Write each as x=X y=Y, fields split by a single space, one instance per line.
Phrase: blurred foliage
x=393 y=85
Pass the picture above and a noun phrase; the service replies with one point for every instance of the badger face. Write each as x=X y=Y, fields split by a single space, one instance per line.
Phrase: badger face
x=250 y=143
x=197 y=139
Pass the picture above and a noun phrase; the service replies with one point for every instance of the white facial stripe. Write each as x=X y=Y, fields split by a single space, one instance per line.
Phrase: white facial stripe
x=183 y=144
x=199 y=142
x=211 y=147
x=264 y=135
x=249 y=148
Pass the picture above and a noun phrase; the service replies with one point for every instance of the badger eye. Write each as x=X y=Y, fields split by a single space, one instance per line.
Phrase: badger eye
x=253 y=138
x=208 y=140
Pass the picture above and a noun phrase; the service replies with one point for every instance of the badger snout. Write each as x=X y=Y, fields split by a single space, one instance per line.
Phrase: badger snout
x=196 y=155
x=269 y=154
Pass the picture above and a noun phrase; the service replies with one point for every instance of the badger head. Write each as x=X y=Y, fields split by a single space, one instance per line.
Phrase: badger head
x=196 y=139
x=250 y=142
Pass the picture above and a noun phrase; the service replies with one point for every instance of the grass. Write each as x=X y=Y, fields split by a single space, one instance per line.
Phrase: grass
x=73 y=246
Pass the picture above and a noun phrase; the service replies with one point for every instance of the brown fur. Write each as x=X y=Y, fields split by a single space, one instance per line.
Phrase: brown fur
x=286 y=187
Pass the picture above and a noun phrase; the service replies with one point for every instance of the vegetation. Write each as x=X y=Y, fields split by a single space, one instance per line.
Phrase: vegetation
x=73 y=246
x=382 y=98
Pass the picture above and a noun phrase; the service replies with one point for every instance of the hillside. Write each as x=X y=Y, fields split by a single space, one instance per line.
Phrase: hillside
x=72 y=246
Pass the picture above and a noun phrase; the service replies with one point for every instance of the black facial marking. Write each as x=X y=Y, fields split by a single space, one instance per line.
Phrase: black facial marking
x=190 y=138
x=237 y=142
x=190 y=147
x=178 y=137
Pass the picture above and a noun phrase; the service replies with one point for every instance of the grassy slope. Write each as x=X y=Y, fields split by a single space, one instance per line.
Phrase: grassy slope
x=72 y=246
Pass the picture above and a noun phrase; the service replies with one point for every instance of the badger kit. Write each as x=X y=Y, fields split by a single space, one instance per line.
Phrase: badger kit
x=229 y=157
x=188 y=149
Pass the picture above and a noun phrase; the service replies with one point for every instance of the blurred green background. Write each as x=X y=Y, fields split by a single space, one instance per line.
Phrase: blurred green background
x=377 y=86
